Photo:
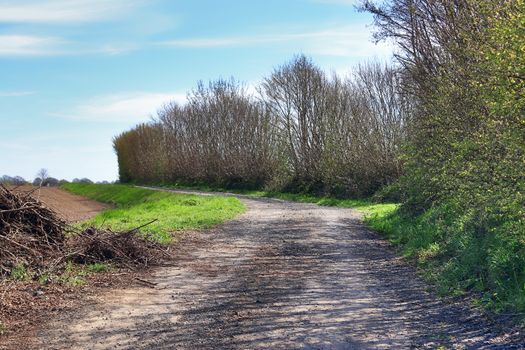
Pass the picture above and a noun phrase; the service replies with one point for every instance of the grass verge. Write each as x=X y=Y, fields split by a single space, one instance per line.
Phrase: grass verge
x=136 y=206
x=457 y=258
x=366 y=206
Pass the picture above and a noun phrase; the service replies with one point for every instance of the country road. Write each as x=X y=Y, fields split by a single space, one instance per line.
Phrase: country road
x=281 y=276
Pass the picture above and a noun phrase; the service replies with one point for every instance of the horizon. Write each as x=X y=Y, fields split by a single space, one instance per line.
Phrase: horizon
x=77 y=73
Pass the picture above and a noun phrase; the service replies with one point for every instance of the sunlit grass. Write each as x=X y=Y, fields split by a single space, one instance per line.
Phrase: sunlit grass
x=170 y=212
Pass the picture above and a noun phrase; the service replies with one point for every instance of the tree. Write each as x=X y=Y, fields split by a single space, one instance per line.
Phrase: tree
x=19 y=180
x=37 y=181
x=294 y=93
x=42 y=175
x=50 y=182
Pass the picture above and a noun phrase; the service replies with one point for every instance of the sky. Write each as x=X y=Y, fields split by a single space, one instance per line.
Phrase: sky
x=75 y=73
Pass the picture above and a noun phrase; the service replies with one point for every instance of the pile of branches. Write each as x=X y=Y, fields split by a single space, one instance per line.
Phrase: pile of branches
x=34 y=236
x=93 y=245
x=30 y=233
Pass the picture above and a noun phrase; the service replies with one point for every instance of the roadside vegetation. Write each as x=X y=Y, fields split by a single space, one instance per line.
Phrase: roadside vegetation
x=439 y=130
x=166 y=212
x=368 y=206
x=463 y=183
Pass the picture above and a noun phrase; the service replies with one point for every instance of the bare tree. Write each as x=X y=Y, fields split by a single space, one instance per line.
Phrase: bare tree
x=42 y=174
x=294 y=93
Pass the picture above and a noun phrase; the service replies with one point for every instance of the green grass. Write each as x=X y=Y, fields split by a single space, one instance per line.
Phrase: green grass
x=136 y=206
x=458 y=258
x=19 y=273
x=367 y=206
x=75 y=275
x=97 y=267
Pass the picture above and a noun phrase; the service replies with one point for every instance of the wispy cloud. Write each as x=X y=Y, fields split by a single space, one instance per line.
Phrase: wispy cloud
x=352 y=41
x=16 y=93
x=123 y=107
x=27 y=45
x=63 y=11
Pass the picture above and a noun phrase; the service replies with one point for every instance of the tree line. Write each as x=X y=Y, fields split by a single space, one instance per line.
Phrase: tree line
x=303 y=130
x=43 y=179
x=462 y=61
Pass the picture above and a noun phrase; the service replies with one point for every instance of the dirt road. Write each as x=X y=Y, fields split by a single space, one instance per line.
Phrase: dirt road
x=282 y=276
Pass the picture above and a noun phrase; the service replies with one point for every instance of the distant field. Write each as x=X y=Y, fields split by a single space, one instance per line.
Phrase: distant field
x=69 y=207
x=137 y=206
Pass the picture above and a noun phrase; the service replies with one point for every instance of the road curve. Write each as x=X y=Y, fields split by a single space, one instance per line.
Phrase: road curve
x=281 y=276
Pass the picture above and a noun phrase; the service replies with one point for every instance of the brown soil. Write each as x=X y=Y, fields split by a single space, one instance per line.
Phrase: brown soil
x=70 y=207
x=282 y=276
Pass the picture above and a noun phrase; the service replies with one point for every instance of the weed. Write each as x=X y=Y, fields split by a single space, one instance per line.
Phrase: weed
x=19 y=273
x=45 y=278
x=97 y=267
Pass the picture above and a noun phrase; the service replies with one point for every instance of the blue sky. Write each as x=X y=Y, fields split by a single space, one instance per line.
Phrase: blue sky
x=74 y=73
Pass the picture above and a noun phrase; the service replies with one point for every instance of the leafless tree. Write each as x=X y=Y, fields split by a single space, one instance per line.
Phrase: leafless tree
x=42 y=174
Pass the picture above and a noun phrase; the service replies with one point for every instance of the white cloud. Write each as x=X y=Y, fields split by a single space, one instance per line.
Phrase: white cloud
x=63 y=11
x=348 y=41
x=124 y=107
x=232 y=41
x=27 y=45
x=16 y=93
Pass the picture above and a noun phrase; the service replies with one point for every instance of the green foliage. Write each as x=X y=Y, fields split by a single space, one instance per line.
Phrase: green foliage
x=19 y=273
x=137 y=206
x=97 y=267
x=75 y=275
x=45 y=278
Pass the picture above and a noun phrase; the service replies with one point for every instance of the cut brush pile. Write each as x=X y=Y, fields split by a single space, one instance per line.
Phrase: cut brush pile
x=33 y=236
x=30 y=233
x=121 y=248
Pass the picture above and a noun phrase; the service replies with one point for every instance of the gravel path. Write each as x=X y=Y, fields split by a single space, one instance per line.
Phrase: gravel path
x=282 y=276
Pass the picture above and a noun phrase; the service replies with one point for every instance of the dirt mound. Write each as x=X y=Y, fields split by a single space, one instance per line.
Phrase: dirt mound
x=30 y=233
